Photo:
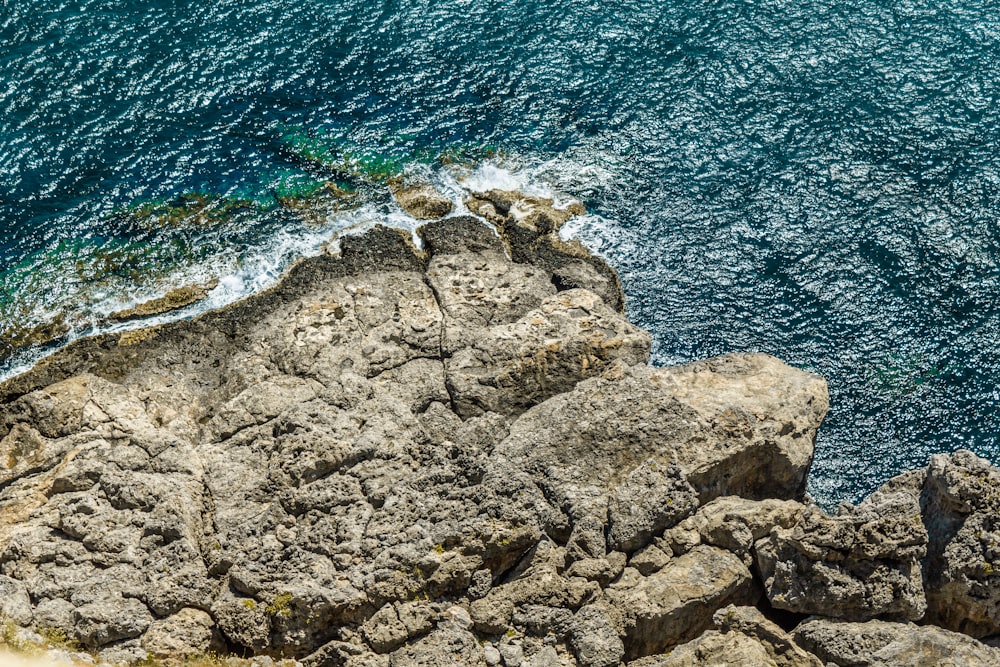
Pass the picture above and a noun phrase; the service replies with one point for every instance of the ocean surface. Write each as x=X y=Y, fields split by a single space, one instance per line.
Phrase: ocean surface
x=816 y=179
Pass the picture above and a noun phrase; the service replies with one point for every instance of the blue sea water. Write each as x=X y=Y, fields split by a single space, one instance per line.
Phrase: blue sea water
x=817 y=179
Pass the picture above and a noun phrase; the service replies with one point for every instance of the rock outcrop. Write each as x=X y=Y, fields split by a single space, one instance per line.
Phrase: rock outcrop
x=459 y=455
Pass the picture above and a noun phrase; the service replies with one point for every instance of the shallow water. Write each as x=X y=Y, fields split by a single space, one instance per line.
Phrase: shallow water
x=814 y=179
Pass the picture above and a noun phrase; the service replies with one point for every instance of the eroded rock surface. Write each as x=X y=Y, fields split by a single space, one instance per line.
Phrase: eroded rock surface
x=457 y=455
x=882 y=644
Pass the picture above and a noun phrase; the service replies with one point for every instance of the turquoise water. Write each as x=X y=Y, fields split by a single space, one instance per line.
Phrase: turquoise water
x=815 y=179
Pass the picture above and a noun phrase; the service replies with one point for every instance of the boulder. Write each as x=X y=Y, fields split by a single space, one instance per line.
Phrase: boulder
x=189 y=632
x=677 y=602
x=422 y=201
x=960 y=501
x=859 y=565
x=884 y=644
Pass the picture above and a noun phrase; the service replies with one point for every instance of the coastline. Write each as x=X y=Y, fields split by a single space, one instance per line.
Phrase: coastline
x=396 y=455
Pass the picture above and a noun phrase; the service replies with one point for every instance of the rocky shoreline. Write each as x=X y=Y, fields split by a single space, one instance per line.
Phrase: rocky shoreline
x=458 y=455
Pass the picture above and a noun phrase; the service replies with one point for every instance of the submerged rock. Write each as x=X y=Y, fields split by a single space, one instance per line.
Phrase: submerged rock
x=175 y=299
x=422 y=201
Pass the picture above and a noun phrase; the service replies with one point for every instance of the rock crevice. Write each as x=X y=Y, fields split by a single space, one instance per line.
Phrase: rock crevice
x=459 y=455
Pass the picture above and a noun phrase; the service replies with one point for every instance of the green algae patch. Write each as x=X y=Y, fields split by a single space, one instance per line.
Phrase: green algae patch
x=16 y=337
x=333 y=154
x=316 y=206
x=195 y=209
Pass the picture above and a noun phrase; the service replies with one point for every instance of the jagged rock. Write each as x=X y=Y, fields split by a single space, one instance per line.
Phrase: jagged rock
x=422 y=201
x=172 y=300
x=530 y=226
x=539 y=583
x=735 y=523
x=15 y=605
x=781 y=649
x=652 y=498
x=189 y=632
x=883 y=644
x=448 y=645
x=676 y=603
x=859 y=565
x=593 y=637
x=960 y=502
x=713 y=649
x=395 y=624
x=580 y=444
x=510 y=367
x=311 y=472
x=649 y=559
x=104 y=621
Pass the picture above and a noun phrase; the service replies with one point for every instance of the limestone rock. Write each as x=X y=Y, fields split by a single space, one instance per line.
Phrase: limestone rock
x=883 y=644
x=172 y=300
x=780 y=647
x=594 y=637
x=676 y=603
x=713 y=649
x=653 y=497
x=530 y=225
x=422 y=201
x=390 y=457
x=960 y=500
x=189 y=632
x=857 y=566
x=740 y=424
x=569 y=337
x=735 y=523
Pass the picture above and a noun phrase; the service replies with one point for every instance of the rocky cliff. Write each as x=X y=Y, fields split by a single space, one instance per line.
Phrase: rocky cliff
x=458 y=455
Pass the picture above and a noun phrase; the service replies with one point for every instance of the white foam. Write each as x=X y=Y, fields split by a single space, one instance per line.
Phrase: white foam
x=258 y=268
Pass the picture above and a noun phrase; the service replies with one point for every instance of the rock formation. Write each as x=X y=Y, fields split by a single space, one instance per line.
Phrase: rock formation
x=459 y=455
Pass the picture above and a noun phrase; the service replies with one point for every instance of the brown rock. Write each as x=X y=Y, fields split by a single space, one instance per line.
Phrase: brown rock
x=422 y=202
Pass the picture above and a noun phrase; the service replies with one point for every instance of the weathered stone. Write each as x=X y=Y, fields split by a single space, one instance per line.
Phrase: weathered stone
x=882 y=644
x=172 y=300
x=189 y=632
x=105 y=621
x=713 y=649
x=511 y=367
x=960 y=502
x=422 y=201
x=15 y=605
x=449 y=645
x=653 y=497
x=676 y=603
x=322 y=465
x=859 y=565
x=594 y=637
x=735 y=523
x=649 y=559
x=780 y=647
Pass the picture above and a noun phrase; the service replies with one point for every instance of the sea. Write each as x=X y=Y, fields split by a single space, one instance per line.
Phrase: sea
x=814 y=179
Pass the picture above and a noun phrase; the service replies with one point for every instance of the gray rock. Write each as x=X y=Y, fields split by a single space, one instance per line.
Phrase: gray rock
x=594 y=638
x=676 y=603
x=857 y=566
x=422 y=201
x=189 y=632
x=652 y=498
x=780 y=648
x=960 y=501
x=105 y=621
x=311 y=472
x=15 y=605
x=735 y=523
x=882 y=644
